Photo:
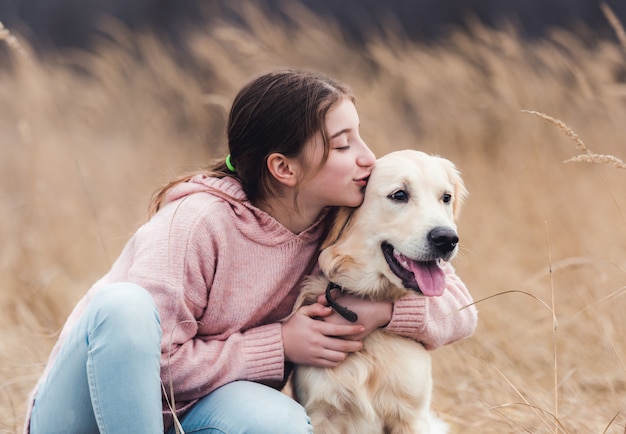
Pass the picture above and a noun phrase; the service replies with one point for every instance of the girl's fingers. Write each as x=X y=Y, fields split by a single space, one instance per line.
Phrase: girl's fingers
x=345 y=329
x=315 y=310
x=344 y=346
x=340 y=330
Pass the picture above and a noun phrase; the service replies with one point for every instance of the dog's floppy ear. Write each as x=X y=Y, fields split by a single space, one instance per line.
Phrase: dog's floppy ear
x=332 y=262
x=341 y=219
x=460 y=192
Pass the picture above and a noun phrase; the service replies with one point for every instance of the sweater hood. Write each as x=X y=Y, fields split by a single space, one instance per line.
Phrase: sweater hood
x=227 y=188
x=251 y=220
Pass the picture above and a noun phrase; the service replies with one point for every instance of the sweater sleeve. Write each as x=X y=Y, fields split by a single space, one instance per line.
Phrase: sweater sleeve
x=197 y=367
x=436 y=321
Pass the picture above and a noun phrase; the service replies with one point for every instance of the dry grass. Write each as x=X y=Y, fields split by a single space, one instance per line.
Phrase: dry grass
x=12 y=42
x=585 y=156
x=87 y=137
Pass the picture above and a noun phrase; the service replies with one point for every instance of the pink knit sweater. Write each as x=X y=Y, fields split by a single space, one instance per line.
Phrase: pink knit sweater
x=223 y=274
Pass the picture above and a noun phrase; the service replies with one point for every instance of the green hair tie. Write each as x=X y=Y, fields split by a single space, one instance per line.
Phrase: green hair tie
x=230 y=165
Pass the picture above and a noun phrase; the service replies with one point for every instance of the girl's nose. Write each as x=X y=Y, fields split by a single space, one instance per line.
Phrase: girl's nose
x=366 y=158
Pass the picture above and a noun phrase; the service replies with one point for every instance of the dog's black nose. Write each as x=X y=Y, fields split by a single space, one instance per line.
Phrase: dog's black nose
x=444 y=239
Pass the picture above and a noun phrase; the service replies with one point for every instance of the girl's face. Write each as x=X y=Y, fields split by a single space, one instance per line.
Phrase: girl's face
x=342 y=179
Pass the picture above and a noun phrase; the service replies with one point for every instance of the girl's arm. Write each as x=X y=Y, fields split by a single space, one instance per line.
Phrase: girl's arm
x=197 y=366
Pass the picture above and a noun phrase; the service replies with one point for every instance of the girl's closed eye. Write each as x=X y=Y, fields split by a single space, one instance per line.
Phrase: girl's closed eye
x=341 y=143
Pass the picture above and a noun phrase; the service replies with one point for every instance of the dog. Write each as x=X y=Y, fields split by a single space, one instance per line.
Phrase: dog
x=389 y=246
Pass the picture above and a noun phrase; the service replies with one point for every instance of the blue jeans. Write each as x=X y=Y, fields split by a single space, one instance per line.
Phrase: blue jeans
x=245 y=407
x=106 y=379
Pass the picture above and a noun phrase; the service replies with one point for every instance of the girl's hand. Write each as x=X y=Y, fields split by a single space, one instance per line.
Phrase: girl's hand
x=309 y=341
x=372 y=314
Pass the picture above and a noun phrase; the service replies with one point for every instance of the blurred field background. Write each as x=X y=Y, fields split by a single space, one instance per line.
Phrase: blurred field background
x=86 y=136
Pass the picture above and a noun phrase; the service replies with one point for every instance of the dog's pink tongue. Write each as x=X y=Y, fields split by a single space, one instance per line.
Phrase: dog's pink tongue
x=429 y=277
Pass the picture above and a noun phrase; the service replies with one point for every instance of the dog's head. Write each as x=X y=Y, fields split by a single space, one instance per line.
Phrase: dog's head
x=405 y=227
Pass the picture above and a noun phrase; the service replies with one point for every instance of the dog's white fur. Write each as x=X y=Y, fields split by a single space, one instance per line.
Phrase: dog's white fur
x=386 y=387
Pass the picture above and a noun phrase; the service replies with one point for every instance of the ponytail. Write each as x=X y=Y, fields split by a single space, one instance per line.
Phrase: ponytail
x=217 y=169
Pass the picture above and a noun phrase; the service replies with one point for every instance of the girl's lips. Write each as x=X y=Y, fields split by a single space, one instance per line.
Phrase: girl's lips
x=363 y=181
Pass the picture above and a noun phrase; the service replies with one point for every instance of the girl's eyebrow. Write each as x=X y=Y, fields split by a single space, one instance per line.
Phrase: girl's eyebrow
x=345 y=130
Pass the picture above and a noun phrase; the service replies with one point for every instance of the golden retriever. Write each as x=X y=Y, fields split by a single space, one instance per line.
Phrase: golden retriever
x=389 y=246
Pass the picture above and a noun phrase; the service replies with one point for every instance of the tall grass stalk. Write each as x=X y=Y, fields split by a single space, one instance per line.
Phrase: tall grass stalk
x=614 y=22
x=554 y=330
x=586 y=155
x=12 y=42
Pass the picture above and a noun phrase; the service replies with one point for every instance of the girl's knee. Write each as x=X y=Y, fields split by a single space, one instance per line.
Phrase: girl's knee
x=288 y=417
x=274 y=413
x=247 y=407
x=129 y=310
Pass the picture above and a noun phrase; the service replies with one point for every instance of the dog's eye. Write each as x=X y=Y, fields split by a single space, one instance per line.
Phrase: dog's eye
x=400 y=196
x=447 y=198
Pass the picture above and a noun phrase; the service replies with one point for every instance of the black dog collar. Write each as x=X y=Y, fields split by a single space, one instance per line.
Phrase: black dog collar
x=341 y=310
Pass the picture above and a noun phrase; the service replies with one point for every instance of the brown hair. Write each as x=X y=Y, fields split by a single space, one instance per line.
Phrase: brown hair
x=277 y=112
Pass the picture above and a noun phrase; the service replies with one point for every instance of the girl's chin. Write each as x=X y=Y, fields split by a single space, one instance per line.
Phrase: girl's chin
x=353 y=202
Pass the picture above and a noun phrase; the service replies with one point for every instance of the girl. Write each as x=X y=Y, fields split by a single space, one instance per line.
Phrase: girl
x=188 y=320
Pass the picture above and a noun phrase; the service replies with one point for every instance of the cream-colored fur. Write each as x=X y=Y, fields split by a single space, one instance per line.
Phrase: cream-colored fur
x=385 y=388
